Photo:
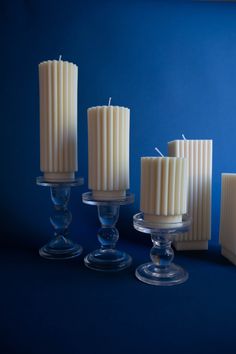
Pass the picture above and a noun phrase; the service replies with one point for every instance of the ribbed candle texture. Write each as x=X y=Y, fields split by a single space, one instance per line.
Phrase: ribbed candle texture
x=108 y=147
x=163 y=188
x=58 y=82
x=199 y=154
x=228 y=217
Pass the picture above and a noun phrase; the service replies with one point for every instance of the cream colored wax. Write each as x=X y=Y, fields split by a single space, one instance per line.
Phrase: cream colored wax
x=108 y=147
x=227 y=217
x=163 y=188
x=199 y=154
x=58 y=82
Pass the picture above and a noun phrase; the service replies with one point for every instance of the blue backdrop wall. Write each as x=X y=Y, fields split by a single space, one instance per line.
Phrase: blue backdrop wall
x=171 y=63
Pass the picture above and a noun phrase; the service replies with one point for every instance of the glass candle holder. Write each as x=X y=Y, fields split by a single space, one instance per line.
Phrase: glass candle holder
x=60 y=246
x=161 y=271
x=107 y=257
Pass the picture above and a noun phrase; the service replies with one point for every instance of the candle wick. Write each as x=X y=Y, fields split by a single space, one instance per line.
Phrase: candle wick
x=159 y=152
x=183 y=137
x=60 y=57
x=109 y=102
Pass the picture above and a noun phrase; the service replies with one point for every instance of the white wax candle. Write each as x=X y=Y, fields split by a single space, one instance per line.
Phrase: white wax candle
x=58 y=82
x=108 y=146
x=199 y=154
x=227 y=217
x=163 y=188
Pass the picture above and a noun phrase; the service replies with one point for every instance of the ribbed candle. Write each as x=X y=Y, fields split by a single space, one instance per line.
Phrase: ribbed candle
x=163 y=188
x=108 y=146
x=58 y=82
x=227 y=217
x=199 y=154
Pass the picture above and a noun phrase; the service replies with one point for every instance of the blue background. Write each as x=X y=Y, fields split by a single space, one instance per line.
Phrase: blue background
x=173 y=65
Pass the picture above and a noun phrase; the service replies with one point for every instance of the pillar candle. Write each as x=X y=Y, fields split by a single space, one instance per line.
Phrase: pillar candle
x=58 y=119
x=227 y=217
x=199 y=154
x=108 y=147
x=163 y=188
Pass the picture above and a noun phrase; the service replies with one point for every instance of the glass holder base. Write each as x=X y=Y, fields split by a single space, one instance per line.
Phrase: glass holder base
x=161 y=271
x=60 y=246
x=108 y=258
x=150 y=274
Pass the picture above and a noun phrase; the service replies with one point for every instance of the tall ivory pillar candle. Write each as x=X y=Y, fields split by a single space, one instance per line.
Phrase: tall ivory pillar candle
x=163 y=188
x=58 y=82
x=227 y=216
x=199 y=154
x=108 y=147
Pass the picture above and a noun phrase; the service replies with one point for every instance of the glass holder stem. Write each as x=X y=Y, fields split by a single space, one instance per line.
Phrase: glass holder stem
x=162 y=270
x=60 y=246
x=108 y=234
x=161 y=253
x=107 y=257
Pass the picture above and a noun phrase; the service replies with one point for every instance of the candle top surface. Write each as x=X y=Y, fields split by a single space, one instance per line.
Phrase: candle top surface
x=172 y=141
x=163 y=157
x=228 y=174
x=55 y=61
x=106 y=106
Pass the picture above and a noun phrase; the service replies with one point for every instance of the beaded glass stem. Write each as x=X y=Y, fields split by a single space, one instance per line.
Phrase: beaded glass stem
x=60 y=246
x=107 y=257
x=161 y=271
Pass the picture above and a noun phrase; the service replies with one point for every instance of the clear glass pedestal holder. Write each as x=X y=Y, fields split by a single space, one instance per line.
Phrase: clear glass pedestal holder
x=60 y=246
x=161 y=271
x=107 y=257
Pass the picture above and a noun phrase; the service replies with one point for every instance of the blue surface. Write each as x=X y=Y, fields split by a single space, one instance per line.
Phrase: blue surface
x=62 y=307
x=173 y=64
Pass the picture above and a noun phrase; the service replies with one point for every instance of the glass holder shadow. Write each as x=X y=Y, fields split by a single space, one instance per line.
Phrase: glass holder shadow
x=107 y=257
x=60 y=246
x=161 y=271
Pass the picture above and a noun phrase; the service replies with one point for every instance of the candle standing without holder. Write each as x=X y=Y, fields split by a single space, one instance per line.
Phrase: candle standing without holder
x=161 y=271
x=60 y=247
x=108 y=258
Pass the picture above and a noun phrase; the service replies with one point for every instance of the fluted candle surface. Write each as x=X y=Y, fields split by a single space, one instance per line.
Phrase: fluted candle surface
x=227 y=217
x=163 y=188
x=108 y=147
x=58 y=81
x=199 y=154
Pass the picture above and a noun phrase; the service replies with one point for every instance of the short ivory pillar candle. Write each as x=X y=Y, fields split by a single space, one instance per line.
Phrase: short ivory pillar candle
x=227 y=217
x=163 y=188
x=58 y=119
x=108 y=147
x=199 y=154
